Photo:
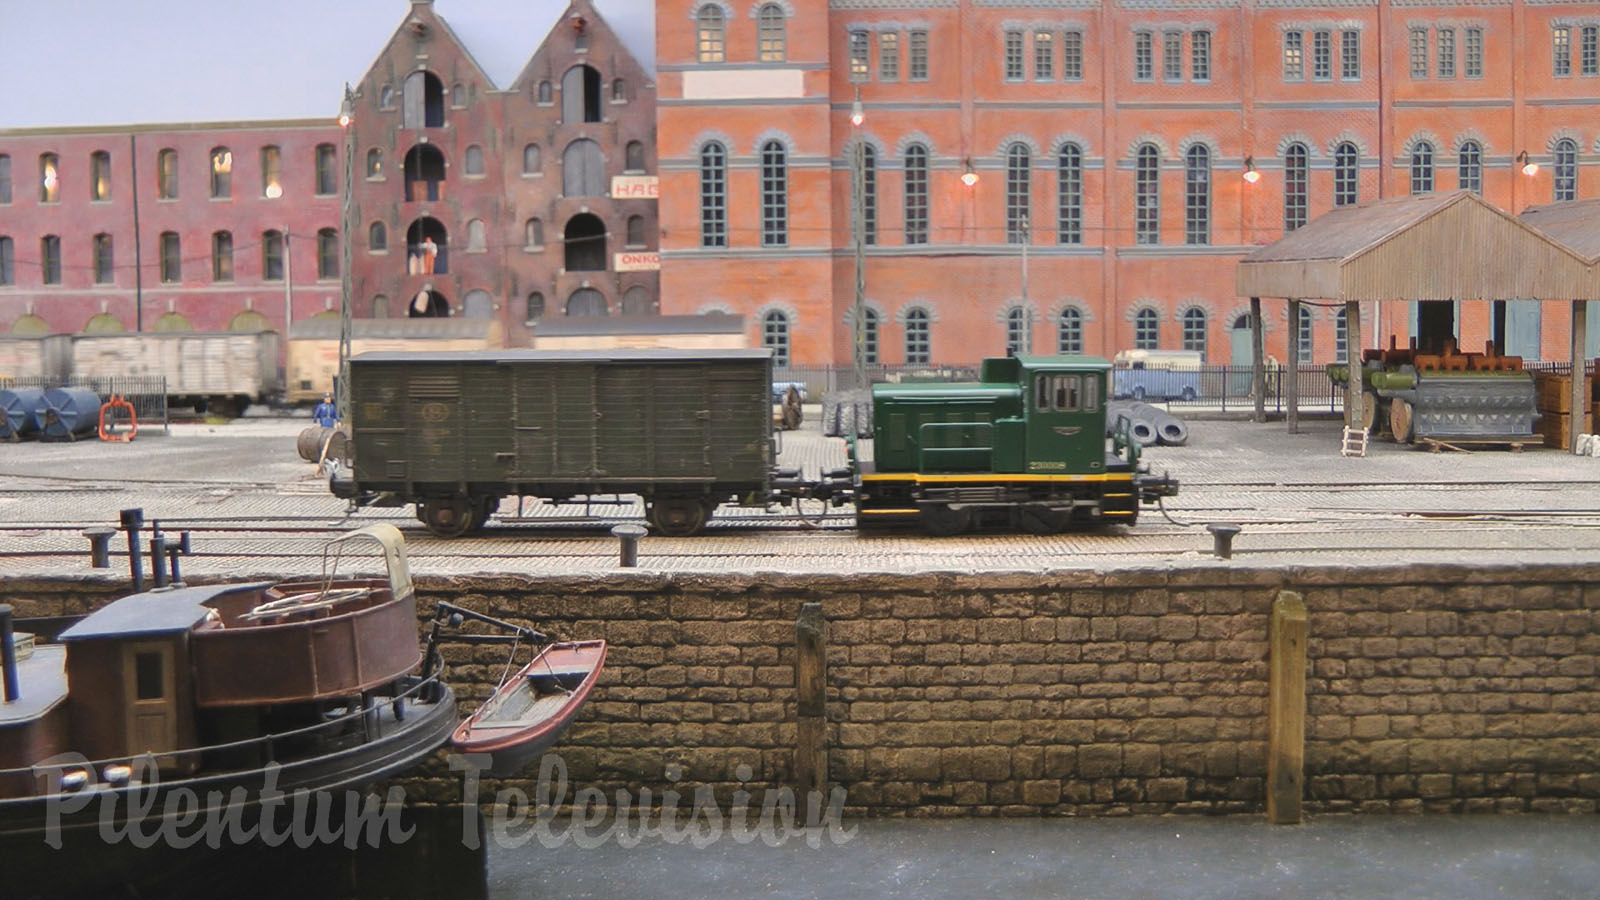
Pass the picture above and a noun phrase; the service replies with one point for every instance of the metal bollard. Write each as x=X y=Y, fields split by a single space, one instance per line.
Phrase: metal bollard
x=630 y=535
x=131 y=520
x=181 y=548
x=8 y=655
x=158 y=554
x=1222 y=538
x=99 y=546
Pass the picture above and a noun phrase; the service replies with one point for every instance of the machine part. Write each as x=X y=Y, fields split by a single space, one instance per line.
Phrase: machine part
x=17 y=407
x=678 y=516
x=943 y=520
x=68 y=413
x=446 y=517
x=1039 y=518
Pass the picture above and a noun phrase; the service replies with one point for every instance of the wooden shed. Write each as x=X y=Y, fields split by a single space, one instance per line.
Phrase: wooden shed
x=1427 y=247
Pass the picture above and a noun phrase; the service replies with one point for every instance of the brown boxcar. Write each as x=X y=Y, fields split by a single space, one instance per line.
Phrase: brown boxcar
x=455 y=433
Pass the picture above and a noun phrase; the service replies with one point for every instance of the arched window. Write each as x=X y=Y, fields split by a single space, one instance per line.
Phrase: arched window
x=774 y=194
x=775 y=336
x=477 y=304
x=585 y=242
x=587 y=302
x=1422 y=168
x=1303 y=334
x=1197 y=195
x=5 y=179
x=1194 y=330
x=535 y=310
x=1069 y=333
x=869 y=337
x=546 y=93
x=635 y=232
x=709 y=33
x=1147 y=195
x=869 y=196
x=272 y=172
x=171 y=259
x=380 y=306
x=50 y=257
x=476 y=239
x=1340 y=334
x=103 y=260
x=619 y=91
x=1346 y=163
x=1566 y=174
x=472 y=161
x=580 y=95
x=713 y=196
x=1017 y=331
x=100 y=175
x=458 y=95
x=8 y=261
x=1470 y=169
x=1019 y=175
x=583 y=169
x=377 y=238
x=327 y=253
x=1296 y=170
x=374 y=163
x=531 y=159
x=327 y=181
x=424 y=172
x=636 y=301
x=533 y=233
x=50 y=178
x=770 y=28
x=919 y=341
x=222 y=256
x=166 y=176
x=422 y=101
x=1146 y=330
x=1069 y=195
x=633 y=156
x=916 y=194
x=272 y=256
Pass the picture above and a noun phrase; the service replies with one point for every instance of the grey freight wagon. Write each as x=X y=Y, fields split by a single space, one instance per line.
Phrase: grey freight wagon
x=455 y=432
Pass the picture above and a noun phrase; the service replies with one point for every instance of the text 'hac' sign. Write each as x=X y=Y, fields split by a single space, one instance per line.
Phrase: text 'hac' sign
x=635 y=187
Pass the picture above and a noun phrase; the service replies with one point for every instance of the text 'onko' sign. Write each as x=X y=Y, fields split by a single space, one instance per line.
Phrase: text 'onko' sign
x=638 y=261
x=635 y=187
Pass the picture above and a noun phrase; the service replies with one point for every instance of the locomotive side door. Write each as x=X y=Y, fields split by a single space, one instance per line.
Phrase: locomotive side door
x=1066 y=428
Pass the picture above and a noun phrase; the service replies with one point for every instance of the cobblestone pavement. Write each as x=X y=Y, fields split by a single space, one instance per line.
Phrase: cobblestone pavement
x=256 y=508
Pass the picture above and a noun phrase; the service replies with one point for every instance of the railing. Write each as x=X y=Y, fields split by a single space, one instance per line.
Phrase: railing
x=147 y=394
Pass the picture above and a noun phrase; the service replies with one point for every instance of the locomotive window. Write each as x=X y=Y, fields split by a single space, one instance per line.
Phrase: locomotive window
x=1060 y=393
x=1091 y=393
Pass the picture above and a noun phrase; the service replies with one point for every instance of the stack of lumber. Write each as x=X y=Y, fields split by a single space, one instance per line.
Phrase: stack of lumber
x=1555 y=408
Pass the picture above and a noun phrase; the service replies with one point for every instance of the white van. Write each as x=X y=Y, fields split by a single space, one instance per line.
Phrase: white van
x=1156 y=374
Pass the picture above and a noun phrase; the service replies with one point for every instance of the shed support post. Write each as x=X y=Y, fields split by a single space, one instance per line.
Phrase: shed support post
x=811 y=696
x=1580 y=396
x=1353 y=389
x=1291 y=371
x=1286 y=709
x=1258 y=363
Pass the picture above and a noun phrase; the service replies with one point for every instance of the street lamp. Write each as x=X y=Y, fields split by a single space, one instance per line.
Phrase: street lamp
x=347 y=111
x=1251 y=173
x=858 y=220
x=1529 y=167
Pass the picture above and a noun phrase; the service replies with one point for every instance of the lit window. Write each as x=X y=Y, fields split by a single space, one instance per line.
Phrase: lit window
x=271 y=173
x=916 y=194
x=1146 y=330
x=327 y=253
x=374 y=163
x=888 y=56
x=770 y=32
x=221 y=173
x=709 y=35
x=713 y=196
x=1561 y=50
x=1294 y=61
x=860 y=61
x=327 y=181
x=1044 y=56
x=918 y=340
x=100 y=175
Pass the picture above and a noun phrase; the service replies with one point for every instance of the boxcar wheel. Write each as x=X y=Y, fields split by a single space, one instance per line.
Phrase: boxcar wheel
x=678 y=516
x=448 y=517
x=942 y=521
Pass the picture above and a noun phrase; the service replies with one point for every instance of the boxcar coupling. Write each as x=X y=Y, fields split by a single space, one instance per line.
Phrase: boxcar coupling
x=1025 y=447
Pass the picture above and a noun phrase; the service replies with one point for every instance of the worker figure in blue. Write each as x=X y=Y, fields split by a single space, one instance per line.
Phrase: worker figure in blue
x=326 y=414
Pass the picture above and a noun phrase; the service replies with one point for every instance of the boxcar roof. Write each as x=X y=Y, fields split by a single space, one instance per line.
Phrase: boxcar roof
x=162 y=611
x=516 y=356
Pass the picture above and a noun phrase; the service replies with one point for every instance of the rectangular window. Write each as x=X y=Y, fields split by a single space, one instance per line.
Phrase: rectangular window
x=103 y=259
x=1589 y=49
x=860 y=60
x=1322 y=55
x=8 y=261
x=1200 y=56
x=5 y=179
x=1014 y=56
x=1472 y=61
x=1447 y=52
x=1561 y=50
x=1143 y=56
x=271 y=173
x=1349 y=55
x=916 y=195
x=149 y=681
x=171 y=258
x=1172 y=55
x=917 y=66
x=1072 y=56
x=50 y=259
x=888 y=56
x=1044 y=56
x=100 y=176
x=272 y=256
x=328 y=183
x=1294 y=60
x=1419 y=53
x=222 y=256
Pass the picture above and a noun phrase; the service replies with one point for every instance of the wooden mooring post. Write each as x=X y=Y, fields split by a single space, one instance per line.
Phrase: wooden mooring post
x=811 y=694
x=1286 y=709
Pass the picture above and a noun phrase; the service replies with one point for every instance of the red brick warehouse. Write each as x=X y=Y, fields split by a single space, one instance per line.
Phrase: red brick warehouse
x=1110 y=140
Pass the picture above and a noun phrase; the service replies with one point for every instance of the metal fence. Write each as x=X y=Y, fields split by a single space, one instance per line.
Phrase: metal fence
x=147 y=394
x=1224 y=388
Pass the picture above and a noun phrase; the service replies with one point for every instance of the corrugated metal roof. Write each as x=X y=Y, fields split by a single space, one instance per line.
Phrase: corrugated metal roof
x=1346 y=231
x=576 y=326
x=1575 y=224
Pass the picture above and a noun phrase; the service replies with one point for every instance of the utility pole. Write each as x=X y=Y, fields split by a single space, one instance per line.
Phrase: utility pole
x=1027 y=314
x=346 y=121
x=858 y=220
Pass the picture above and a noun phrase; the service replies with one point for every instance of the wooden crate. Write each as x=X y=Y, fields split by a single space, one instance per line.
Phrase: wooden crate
x=1555 y=392
x=1553 y=426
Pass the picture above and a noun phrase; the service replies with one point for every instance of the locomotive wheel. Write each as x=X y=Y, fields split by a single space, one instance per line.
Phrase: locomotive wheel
x=942 y=521
x=678 y=516
x=447 y=518
x=1400 y=420
x=1036 y=519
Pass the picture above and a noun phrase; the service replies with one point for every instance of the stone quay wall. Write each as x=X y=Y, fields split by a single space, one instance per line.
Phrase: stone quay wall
x=1075 y=693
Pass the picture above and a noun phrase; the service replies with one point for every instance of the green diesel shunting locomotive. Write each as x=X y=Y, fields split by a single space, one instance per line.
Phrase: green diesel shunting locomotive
x=455 y=433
